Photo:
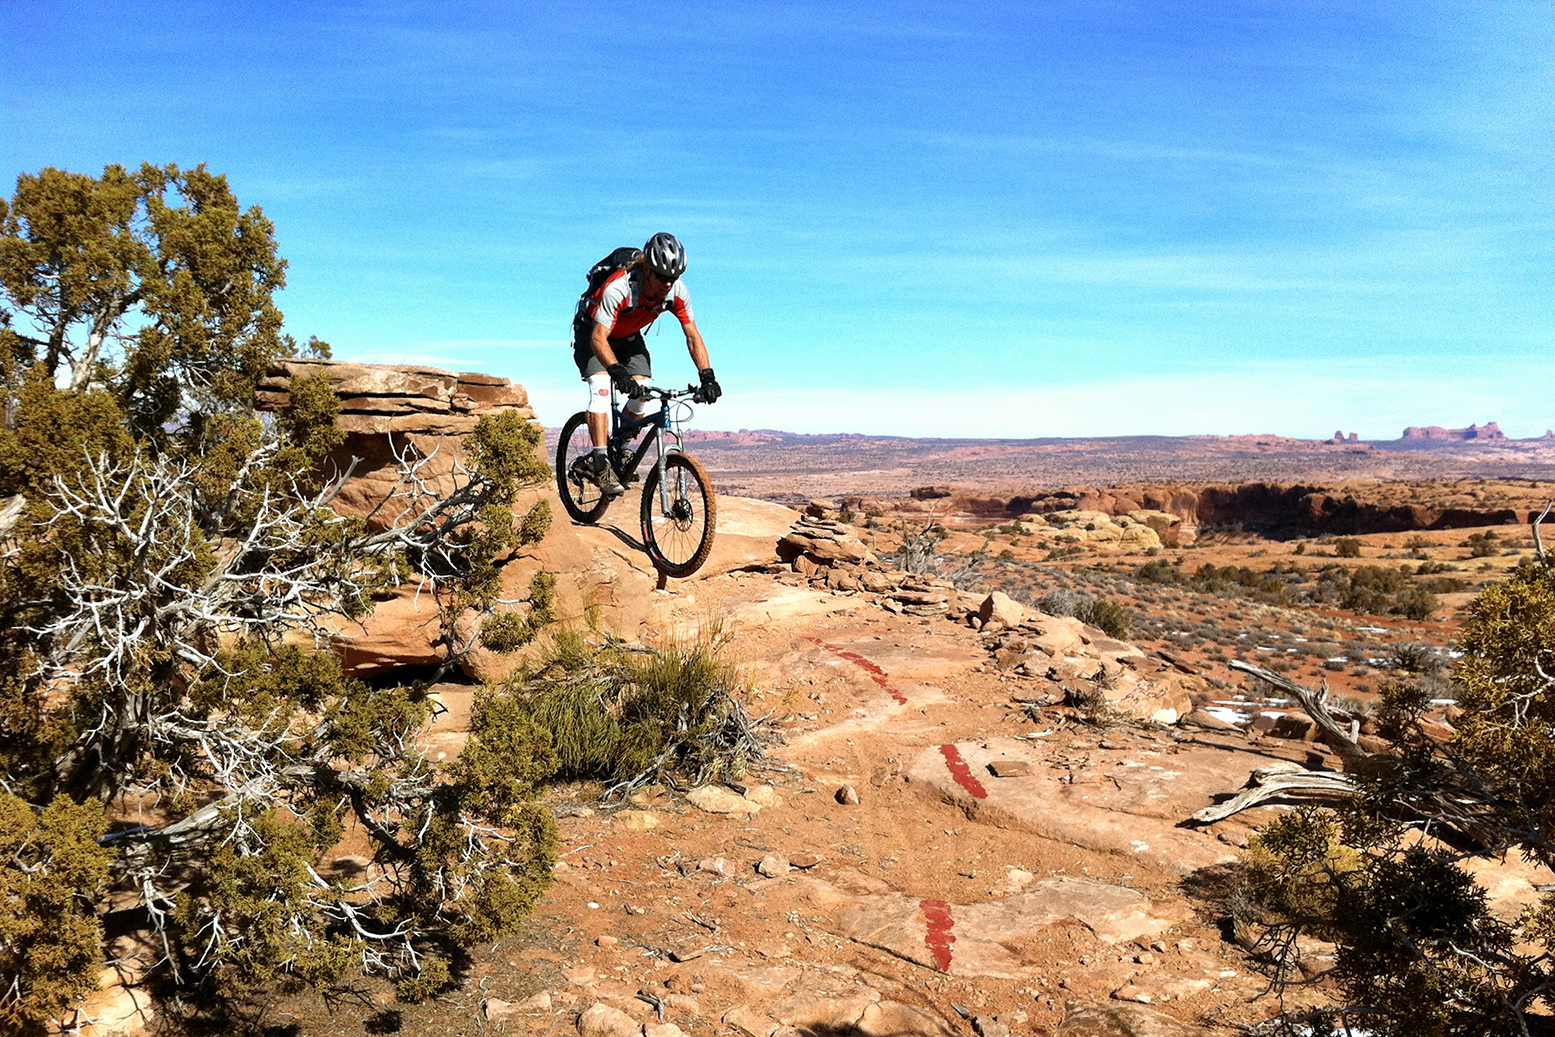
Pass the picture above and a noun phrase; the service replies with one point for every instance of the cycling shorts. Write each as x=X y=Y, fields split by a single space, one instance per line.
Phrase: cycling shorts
x=631 y=351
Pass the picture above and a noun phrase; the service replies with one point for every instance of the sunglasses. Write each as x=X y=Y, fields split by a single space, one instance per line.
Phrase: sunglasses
x=660 y=277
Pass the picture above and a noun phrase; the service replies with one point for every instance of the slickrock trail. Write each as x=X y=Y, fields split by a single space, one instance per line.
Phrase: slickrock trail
x=925 y=857
x=928 y=858
x=938 y=847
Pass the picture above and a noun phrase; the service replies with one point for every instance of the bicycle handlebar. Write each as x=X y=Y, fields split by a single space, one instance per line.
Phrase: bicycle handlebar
x=654 y=392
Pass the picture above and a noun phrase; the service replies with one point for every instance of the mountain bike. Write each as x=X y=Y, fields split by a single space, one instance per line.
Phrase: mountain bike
x=678 y=508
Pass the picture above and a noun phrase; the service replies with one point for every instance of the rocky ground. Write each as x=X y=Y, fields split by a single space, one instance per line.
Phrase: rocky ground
x=970 y=819
x=937 y=847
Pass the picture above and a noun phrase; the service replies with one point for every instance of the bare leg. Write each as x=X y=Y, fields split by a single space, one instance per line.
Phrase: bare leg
x=599 y=429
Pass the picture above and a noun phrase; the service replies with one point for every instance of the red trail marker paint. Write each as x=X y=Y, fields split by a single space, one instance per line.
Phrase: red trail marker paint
x=876 y=674
x=939 y=937
x=961 y=772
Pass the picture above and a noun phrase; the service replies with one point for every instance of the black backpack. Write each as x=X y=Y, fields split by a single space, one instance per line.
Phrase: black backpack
x=620 y=259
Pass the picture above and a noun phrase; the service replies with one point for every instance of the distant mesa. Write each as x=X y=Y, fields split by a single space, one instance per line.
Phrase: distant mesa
x=1488 y=432
x=1341 y=438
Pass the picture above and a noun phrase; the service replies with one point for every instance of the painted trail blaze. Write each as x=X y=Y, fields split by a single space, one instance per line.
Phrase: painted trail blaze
x=939 y=937
x=876 y=674
x=961 y=772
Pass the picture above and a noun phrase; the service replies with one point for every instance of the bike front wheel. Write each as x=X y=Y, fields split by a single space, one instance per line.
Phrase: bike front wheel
x=679 y=513
x=582 y=498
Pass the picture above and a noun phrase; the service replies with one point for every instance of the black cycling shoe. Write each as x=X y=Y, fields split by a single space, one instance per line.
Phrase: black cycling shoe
x=597 y=470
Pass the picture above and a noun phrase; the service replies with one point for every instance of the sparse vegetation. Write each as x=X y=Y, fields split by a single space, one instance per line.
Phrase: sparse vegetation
x=634 y=717
x=1419 y=951
x=1108 y=616
x=1482 y=545
x=1420 y=657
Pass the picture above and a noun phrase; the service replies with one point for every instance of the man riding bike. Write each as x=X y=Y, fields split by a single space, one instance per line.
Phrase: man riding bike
x=608 y=346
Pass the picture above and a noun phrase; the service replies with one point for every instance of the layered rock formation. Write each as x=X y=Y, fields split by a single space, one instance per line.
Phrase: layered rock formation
x=387 y=409
x=1488 y=432
x=1274 y=508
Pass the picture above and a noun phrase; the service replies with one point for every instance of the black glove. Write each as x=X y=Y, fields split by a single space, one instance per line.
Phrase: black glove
x=710 y=390
x=623 y=382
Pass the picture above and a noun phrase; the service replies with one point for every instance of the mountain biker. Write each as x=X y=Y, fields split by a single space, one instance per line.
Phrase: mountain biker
x=608 y=346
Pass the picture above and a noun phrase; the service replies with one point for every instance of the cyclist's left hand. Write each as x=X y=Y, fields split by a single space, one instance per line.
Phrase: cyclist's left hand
x=710 y=390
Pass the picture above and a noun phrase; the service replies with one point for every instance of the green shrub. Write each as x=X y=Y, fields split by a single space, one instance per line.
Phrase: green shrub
x=1108 y=616
x=1418 y=950
x=633 y=717
x=51 y=873
x=1482 y=545
x=1347 y=547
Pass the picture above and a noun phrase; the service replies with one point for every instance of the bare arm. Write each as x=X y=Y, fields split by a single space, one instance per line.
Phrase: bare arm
x=601 y=345
x=694 y=345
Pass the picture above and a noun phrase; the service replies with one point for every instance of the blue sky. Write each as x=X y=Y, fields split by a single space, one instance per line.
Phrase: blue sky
x=990 y=219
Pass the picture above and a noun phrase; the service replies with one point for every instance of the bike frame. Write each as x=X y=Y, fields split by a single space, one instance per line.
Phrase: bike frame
x=623 y=429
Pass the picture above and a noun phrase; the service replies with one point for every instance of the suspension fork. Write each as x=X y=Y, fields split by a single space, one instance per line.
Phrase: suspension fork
x=665 y=429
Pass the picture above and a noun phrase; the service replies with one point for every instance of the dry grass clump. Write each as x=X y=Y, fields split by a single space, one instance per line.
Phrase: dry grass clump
x=634 y=716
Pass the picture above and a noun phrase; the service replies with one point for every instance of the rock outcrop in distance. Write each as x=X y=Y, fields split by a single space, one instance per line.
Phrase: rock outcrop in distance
x=1275 y=508
x=1486 y=433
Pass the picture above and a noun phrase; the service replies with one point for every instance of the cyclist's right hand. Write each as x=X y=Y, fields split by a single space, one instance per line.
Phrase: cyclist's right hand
x=623 y=382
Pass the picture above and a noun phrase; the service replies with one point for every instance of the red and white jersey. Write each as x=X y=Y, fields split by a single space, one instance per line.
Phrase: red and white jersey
x=620 y=307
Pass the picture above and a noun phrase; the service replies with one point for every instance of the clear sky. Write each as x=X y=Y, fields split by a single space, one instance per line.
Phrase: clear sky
x=987 y=219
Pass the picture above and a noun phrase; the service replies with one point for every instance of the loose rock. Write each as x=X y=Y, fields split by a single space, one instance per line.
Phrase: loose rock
x=773 y=865
x=717 y=800
x=600 y=1020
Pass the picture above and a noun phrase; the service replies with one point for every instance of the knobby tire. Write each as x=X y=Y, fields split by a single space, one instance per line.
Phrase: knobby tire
x=679 y=541
x=585 y=502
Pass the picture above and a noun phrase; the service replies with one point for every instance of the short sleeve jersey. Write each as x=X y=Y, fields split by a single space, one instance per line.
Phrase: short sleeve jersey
x=620 y=307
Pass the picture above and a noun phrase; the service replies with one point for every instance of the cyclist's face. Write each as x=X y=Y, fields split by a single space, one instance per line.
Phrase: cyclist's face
x=655 y=288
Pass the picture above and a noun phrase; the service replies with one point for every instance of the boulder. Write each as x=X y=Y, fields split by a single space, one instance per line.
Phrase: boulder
x=1000 y=610
x=1057 y=635
x=1161 y=697
x=718 y=800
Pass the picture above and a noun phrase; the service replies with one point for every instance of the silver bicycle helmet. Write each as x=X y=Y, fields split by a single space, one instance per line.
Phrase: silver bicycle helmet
x=665 y=256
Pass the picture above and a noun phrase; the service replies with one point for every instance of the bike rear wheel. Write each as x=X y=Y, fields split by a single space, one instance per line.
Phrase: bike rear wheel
x=584 y=500
x=678 y=524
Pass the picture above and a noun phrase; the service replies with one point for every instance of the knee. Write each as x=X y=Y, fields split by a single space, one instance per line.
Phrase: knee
x=599 y=393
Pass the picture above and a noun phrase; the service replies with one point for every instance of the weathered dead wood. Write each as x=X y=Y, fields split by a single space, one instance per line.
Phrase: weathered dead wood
x=1280 y=783
x=1538 y=542
x=1340 y=739
x=1268 y=783
x=1458 y=808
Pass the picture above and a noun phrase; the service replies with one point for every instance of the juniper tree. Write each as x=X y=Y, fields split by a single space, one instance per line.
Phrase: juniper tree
x=1419 y=950
x=172 y=580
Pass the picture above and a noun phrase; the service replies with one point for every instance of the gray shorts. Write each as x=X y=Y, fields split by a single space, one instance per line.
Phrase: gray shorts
x=631 y=351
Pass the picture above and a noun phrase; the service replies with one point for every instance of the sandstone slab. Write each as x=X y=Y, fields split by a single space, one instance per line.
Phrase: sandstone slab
x=982 y=939
x=1126 y=803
